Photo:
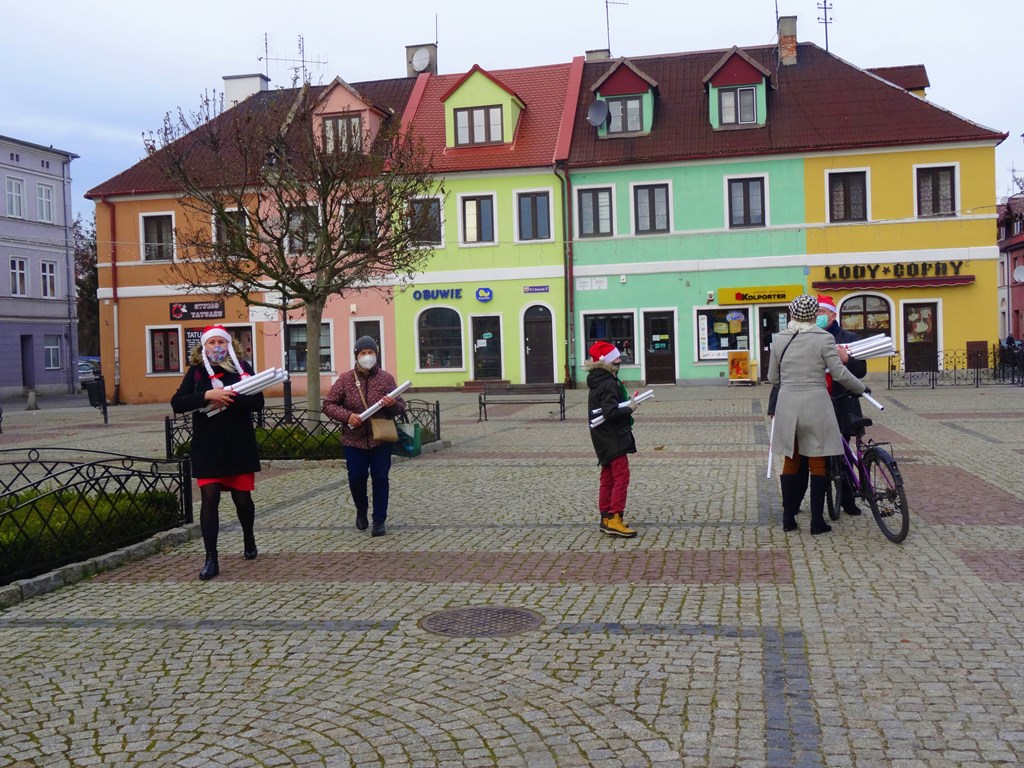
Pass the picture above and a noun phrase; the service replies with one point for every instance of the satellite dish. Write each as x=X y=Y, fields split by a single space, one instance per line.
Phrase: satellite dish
x=1018 y=274
x=421 y=59
x=597 y=113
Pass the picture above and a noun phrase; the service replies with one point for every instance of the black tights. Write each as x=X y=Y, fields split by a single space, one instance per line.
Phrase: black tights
x=209 y=518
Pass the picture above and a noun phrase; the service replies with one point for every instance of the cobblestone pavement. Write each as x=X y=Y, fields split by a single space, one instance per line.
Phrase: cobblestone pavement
x=712 y=639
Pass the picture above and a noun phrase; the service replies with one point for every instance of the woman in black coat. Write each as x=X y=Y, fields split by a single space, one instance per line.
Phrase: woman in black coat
x=224 y=453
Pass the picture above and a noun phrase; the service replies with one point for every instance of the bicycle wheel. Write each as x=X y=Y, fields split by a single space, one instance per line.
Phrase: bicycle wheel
x=885 y=494
x=834 y=488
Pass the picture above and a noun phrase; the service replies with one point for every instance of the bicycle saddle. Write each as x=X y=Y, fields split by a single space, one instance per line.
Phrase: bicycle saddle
x=858 y=424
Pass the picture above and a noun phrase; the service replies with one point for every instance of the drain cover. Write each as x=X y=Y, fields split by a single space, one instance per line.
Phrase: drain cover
x=481 y=621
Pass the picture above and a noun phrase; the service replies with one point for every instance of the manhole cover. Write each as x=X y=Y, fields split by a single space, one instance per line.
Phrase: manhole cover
x=481 y=621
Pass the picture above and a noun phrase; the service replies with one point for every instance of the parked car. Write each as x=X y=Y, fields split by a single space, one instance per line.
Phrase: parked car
x=87 y=371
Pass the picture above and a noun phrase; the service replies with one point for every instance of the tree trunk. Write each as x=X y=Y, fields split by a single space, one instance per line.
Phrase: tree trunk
x=314 y=314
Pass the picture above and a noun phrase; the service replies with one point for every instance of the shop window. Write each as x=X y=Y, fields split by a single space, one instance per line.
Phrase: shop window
x=440 y=338
x=866 y=316
x=721 y=331
x=297 y=348
x=164 y=350
x=618 y=328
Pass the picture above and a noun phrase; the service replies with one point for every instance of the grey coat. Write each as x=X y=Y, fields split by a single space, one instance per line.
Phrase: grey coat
x=804 y=410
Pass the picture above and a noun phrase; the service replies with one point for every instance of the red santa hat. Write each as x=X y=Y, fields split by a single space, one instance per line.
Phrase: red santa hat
x=219 y=332
x=827 y=303
x=604 y=352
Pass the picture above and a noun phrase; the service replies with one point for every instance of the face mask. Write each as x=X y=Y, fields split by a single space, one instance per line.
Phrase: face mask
x=217 y=354
x=821 y=321
x=366 y=362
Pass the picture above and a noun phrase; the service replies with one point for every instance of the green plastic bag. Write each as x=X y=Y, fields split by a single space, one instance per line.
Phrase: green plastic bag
x=410 y=440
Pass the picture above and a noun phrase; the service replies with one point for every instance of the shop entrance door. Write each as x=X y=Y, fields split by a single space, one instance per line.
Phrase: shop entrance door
x=773 y=320
x=486 y=347
x=920 y=337
x=540 y=363
x=660 y=348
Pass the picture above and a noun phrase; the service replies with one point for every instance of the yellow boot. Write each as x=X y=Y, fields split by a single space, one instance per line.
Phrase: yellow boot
x=613 y=526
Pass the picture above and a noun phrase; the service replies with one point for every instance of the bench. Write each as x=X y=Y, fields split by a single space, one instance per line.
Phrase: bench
x=523 y=394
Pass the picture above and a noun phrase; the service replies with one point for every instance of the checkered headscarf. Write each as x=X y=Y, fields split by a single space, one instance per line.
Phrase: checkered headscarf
x=804 y=308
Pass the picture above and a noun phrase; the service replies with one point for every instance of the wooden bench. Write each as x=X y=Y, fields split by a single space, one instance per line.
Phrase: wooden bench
x=523 y=394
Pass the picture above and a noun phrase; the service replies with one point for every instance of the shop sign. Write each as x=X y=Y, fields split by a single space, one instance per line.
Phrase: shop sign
x=197 y=310
x=535 y=289
x=484 y=294
x=908 y=269
x=193 y=338
x=773 y=294
x=436 y=294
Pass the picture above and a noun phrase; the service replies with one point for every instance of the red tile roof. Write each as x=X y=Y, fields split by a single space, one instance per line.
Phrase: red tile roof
x=821 y=103
x=541 y=89
x=267 y=108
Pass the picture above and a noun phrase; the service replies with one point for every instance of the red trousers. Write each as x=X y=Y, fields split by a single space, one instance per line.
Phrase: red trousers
x=614 y=485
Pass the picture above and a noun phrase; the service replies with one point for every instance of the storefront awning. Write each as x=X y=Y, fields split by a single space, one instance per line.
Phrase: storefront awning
x=896 y=282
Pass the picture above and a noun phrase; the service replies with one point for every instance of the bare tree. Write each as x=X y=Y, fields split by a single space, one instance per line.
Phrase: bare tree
x=284 y=214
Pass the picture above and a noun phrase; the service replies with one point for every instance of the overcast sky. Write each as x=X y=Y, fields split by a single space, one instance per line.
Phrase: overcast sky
x=90 y=78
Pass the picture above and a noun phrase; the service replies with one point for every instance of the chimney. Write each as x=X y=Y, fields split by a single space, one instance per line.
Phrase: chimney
x=240 y=87
x=420 y=58
x=787 y=40
x=599 y=54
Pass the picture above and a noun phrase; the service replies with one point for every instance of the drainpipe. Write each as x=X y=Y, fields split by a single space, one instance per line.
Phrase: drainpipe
x=570 y=309
x=69 y=268
x=113 y=280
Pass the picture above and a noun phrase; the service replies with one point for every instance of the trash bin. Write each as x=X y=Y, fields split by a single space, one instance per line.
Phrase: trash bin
x=97 y=390
x=410 y=440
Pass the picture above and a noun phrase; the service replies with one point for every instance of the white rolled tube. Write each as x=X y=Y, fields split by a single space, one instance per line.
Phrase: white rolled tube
x=377 y=406
x=872 y=400
x=771 y=437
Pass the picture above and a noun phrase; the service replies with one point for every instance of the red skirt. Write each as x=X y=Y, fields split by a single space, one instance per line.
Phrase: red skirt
x=246 y=482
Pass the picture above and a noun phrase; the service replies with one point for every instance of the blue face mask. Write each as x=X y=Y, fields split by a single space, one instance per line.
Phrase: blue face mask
x=821 y=321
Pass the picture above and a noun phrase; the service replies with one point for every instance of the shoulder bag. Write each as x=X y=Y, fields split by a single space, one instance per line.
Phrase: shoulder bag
x=382 y=429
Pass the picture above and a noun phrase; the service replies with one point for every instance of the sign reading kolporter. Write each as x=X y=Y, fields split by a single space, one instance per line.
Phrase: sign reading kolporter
x=197 y=310
x=773 y=294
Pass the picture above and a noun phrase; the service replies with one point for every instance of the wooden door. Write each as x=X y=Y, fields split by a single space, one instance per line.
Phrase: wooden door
x=540 y=362
x=920 y=337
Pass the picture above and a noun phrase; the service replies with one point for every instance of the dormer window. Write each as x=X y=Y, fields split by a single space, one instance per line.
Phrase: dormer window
x=625 y=114
x=478 y=125
x=737 y=106
x=343 y=133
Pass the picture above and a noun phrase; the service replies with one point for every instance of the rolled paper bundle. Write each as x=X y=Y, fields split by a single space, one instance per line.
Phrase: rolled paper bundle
x=876 y=346
x=638 y=398
x=251 y=385
x=377 y=406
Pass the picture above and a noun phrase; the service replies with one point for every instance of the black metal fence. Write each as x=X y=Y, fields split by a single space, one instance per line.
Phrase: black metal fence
x=296 y=433
x=59 y=507
x=997 y=364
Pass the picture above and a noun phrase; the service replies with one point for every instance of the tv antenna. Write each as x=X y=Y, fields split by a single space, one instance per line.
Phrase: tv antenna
x=301 y=69
x=607 y=21
x=824 y=6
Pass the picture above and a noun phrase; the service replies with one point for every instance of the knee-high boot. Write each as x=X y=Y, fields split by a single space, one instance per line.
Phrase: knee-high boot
x=818 y=524
x=790 y=501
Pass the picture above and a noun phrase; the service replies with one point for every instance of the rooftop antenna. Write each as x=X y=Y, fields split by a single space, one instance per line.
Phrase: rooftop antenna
x=607 y=21
x=301 y=61
x=824 y=6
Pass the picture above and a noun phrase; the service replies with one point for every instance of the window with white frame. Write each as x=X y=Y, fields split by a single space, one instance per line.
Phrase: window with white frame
x=164 y=350
x=746 y=202
x=936 y=191
x=722 y=330
x=158 y=237
x=650 y=208
x=737 y=106
x=360 y=226
x=595 y=212
x=298 y=348
x=425 y=221
x=533 y=210
x=44 y=203
x=478 y=219
x=51 y=352
x=15 y=198
x=48 y=278
x=303 y=223
x=625 y=114
x=343 y=133
x=439 y=333
x=19 y=276
x=617 y=328
x=230 y=228
x=478 y=125
x=848 y=196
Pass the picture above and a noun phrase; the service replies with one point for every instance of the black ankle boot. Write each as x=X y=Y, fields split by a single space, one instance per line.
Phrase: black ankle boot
x=361 y=521
x=249 y=545
x=818 y=524
x=790 y=503
x=211 y=568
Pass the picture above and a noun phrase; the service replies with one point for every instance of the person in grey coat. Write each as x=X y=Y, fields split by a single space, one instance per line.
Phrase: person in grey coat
x=804 y=425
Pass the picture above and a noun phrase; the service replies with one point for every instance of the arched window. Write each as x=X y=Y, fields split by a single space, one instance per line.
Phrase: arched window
x=440 y=338
x=866 y=316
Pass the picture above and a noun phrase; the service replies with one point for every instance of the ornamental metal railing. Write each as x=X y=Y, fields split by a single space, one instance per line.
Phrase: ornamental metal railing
x=60 y=506
x=991 y=365
x=296 y=433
